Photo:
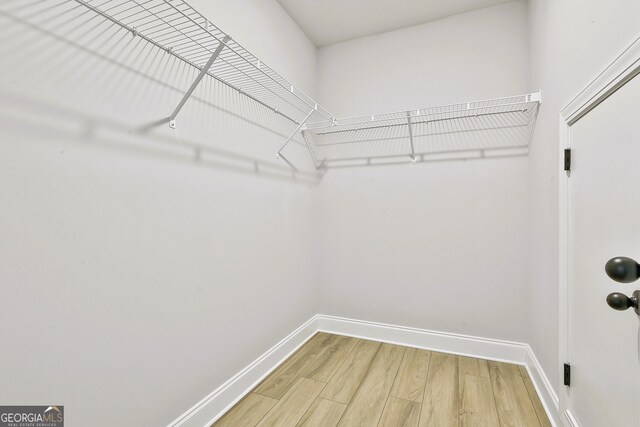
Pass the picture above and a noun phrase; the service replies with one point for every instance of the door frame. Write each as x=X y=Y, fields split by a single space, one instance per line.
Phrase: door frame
x=622 y=69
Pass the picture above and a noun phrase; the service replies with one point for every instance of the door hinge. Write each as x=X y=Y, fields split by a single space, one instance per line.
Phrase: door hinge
x=567 y=374
x=567 y=159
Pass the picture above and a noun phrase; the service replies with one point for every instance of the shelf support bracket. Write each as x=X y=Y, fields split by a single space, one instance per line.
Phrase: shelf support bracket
x=203 y=72
x=413 y=153
x=295 y=132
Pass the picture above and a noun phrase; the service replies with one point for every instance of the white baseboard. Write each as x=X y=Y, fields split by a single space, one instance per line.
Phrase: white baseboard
x=212 y=407
x=547 y=394
x=485 y=348
x=570 y=419
x=219 y=401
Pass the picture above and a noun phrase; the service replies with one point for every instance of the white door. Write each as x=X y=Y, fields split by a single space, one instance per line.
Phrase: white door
x=604 y=222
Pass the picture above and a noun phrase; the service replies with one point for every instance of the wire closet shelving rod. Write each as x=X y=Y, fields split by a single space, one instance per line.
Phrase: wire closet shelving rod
x=177 y=28
x=417 y=122
x=500 y=125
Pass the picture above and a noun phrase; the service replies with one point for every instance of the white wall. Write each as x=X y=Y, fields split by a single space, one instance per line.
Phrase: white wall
x=571 y=42
x=477 y=55
x=133 y=276
x=441 y=246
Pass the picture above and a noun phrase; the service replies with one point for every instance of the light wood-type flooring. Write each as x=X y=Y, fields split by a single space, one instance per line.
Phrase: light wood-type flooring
x=341 y=381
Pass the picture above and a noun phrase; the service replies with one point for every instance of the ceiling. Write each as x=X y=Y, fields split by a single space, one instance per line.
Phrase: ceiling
x=326 y=22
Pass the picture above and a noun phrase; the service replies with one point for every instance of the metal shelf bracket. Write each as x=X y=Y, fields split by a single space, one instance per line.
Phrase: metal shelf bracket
x=294 y=133
x=203 y=72
x=413 y=153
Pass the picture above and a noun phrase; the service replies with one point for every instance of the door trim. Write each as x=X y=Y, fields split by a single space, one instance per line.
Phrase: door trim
x=622 y=69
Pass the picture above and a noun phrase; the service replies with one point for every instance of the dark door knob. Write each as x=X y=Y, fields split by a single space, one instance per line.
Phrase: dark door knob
x=621 y=302
x=622 y=269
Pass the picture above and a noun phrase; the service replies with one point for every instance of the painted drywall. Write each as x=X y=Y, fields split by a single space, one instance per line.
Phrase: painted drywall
x=442 y=245
x=136 y=260
x=571 y=42
x=476 y=55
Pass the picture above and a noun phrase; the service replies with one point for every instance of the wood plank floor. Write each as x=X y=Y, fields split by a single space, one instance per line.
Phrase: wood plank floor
x=342 y=381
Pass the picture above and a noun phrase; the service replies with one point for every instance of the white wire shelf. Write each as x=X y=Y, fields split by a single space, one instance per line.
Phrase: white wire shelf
x=176 y=27
x=501 y=126
x=489 y=128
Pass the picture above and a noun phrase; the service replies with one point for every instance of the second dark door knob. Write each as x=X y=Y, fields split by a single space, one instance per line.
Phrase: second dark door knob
x=621 y=302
